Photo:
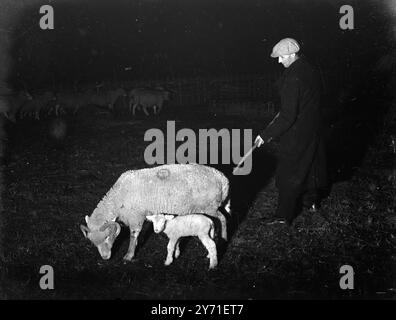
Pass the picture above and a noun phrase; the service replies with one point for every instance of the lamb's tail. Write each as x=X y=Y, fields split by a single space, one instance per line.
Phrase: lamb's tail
x=226 y=195
x=227 y=206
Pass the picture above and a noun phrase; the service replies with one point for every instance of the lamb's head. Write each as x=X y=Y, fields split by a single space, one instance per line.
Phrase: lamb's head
x=159 y=221
x=102 y=237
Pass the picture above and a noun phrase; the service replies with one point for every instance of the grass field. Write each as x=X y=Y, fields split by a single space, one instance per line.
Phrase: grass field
x=51 y=184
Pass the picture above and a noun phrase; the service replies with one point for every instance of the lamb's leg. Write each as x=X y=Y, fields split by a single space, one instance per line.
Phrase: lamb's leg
x=132 y=244
x=223 y=222
x=210 y=245
x=177 y=251
x=171 y=249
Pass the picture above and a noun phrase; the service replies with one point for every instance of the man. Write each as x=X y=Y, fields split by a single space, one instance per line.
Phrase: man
x=301 y=168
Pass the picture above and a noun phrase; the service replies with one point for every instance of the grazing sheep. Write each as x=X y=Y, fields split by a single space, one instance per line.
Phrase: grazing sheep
x=107 y=98
x=12 y=103
x=177 y=189
x=184 y=226
x=39 y=103
x=147 y=98
x=70 y=102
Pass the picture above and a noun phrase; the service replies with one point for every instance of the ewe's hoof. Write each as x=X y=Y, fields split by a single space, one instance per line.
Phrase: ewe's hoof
x=128 y=258
x=167 y=263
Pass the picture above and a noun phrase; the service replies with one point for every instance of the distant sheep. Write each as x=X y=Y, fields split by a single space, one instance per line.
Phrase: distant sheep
x=69 y=102
x=107 y=98
x=39 y=104
x=10 y=104
x=147 y=98
x=177 y=189
x=184 y=226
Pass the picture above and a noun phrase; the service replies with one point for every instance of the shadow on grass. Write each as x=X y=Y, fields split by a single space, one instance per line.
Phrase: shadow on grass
x=244 y=190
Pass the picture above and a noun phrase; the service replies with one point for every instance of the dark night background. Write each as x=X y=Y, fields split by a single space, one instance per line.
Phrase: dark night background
x=189 y=38
x=49 y=183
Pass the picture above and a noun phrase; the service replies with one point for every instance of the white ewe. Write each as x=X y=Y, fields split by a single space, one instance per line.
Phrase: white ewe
x=177 y=189
x=185 y=226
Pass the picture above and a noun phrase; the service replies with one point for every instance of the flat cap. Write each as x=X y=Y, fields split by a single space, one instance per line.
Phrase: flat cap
x=285 y=46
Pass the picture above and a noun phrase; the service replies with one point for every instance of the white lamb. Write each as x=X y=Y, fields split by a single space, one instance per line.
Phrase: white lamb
x=177 y=189
x=185 y=226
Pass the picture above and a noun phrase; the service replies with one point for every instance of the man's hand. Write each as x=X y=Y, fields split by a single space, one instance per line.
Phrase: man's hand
x=258 y=141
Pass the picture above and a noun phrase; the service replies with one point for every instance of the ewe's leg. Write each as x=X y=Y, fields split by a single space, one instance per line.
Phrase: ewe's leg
x=77 y=107
x=130 y=105
x=145 y=110
x=132 y=243
x=210 y=245
x=223 y=222
x=159 y=107
x=134 y=108
x=171 y=249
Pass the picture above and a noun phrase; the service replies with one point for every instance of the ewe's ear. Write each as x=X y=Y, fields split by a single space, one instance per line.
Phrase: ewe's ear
x=84 y=230
x=150 y=218
x=118 y=229
x=169 y=217
x=86 y=219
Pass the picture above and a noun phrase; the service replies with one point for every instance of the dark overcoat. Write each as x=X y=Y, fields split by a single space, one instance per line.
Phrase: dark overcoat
x=298 y=125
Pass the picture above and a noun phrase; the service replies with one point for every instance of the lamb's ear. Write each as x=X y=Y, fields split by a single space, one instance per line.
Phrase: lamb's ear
x=84 y=230
x=169 y=217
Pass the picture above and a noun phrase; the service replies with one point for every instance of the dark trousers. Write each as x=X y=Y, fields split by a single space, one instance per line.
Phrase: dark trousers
x=300 y=185
x=288 y=200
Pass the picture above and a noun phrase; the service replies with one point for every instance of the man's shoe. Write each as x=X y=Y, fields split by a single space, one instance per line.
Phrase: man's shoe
x=313 y=208
x=276 y=220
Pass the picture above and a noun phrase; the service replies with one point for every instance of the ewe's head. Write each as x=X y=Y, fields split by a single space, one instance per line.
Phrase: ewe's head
x=159 y=221
x=24 y=95
x=102 y=237
x=166 y=95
